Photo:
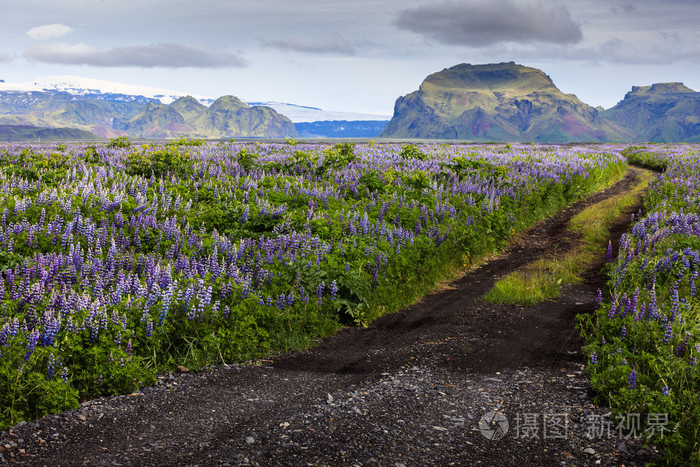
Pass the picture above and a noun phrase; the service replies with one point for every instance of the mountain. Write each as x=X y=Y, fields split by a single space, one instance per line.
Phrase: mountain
x=229 y=116
x=31 y=133
x=156 y=121
x=497 y=102
x=189 y=107
x=662 y=112
x=100 y=89
x=142 y=118
x=109 y=109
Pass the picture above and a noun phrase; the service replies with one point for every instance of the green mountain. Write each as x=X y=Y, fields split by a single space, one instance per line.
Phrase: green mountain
x=157 y=121
x=64 y=110
x=229 y=117
x=30 y=133
x=662 y=112
x=497 y=102
x=142 y=117
x=189 y=107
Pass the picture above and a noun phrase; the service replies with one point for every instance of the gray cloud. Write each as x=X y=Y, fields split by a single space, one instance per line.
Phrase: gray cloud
x=146 y=56
x=5 y=58
x=478 y=23
x=333 y=43
x=661 y=48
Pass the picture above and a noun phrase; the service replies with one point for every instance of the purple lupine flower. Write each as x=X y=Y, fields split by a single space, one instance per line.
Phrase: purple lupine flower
x=51 y=368
x=668 y=335
x=675 y=301
x=319 y=292
x=664 y=391
x=613 y=307
x=32 y=340
x=140 y=208
x=651 y=308
x=333 y=290
x=600 y=298
x=149 y=327
x=680 y=350
x=608 y=253
x=632 y=382
x=594 y=358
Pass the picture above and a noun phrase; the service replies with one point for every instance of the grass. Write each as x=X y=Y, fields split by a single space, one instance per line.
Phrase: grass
x=542 y=280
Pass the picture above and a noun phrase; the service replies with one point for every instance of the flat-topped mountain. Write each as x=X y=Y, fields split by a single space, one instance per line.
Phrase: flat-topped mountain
x=497 y=102
x=662 y=112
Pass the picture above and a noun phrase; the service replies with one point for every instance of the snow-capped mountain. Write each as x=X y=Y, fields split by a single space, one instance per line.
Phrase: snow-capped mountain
x=107 y=90
x=122 y=92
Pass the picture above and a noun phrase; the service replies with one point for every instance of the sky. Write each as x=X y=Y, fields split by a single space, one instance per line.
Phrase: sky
x=351 y=55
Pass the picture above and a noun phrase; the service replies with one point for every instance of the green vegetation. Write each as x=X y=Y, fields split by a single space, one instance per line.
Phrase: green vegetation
x=126 y=262
x=643 y=343
x=542 y=280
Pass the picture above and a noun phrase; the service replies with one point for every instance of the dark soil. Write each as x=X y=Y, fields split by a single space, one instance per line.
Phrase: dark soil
x=408 y=390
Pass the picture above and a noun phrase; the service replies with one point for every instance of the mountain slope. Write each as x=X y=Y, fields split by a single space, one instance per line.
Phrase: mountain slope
x=497 y=102
x=31 y=133
x=226 y=117
x=110 y=109
x=157 y=121
x=662 y=112
x=189 y=107
x=230 y=117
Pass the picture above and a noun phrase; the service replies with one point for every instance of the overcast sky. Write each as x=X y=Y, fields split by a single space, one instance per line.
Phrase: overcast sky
x=352 y=55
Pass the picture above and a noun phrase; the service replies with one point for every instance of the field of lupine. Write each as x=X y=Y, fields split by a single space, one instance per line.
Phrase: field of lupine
x=644 y=341
x=122 y=261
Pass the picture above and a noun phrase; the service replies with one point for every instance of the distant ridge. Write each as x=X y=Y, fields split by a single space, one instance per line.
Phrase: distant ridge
x=662 y=112
x=30 y=133
x=108 y=109
x=109 y=115
x=498 y=102
x=492 y=102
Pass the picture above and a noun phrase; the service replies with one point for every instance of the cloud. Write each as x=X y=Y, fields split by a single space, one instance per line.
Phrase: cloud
x=49 y=31
x=478 y=23
x=147 y=56
x=5 y=58
x=662 y=48
x=334 y=44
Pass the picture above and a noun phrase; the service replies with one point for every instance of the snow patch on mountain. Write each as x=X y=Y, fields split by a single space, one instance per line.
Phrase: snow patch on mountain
x=95 y=88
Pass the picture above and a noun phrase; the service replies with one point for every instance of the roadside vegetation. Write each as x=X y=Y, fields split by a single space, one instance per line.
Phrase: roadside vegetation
x=542 y=280
x=122 y=261
x=644 y=341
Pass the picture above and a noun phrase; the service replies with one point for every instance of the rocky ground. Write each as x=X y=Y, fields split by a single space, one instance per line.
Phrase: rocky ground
x=450 y=380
